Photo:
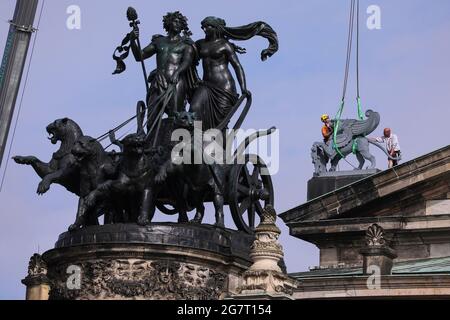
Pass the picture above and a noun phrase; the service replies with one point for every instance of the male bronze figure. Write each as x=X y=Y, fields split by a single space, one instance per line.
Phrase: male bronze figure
x=172 y=81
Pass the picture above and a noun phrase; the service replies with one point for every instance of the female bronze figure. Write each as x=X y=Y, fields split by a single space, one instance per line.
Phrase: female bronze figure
x=216 y=94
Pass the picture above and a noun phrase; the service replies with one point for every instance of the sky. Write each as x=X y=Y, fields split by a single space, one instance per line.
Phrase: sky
x=404 y=75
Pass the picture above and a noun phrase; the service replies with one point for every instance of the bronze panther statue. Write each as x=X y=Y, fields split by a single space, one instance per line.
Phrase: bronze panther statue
x=79 y=165
x=134 y=184
x=94 y=167
x=61 y=169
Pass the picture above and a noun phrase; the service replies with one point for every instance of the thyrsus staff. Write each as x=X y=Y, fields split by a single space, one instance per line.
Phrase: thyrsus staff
x=134 y=23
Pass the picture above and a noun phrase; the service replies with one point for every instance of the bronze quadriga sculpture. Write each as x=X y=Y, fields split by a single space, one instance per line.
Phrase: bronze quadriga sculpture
x=127 y=186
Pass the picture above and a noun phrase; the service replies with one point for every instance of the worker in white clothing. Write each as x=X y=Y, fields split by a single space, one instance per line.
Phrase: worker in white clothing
x=392 y=146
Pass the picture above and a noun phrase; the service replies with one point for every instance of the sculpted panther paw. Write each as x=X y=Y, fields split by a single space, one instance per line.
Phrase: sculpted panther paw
x=25 y=160
x=220 y=223
x=74 y=227
x=89 y=201
x=183 y=218
x=143 y=220
x=196 y=221
x=43 y=187
x=198 y=217
x=161 y=176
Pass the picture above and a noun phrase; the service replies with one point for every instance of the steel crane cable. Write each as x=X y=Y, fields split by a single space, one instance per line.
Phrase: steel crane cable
x=358 y=99
x=347 y=68
x=353 y=4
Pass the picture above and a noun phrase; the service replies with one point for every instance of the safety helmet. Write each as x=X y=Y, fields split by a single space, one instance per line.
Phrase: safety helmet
x=324 y=117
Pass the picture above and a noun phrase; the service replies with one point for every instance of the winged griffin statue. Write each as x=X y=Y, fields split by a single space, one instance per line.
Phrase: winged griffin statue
x=350 y=138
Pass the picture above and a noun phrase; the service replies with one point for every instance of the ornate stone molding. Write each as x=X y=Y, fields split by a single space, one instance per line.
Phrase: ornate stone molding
x=140 y=279
x=265 y=277
x=37 y=271
x=375 y=236
x=377 y=254
x=36 y=281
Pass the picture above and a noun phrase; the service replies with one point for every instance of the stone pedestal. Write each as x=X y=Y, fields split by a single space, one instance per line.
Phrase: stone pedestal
x=382 y=258
x=265 y=279
x=160 y=261
x=330 y=181
x=36 y=290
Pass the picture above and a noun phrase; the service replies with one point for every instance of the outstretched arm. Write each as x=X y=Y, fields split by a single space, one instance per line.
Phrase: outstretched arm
x=146 y=53
x=232 y=57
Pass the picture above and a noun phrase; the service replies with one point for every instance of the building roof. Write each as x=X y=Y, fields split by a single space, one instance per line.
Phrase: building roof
x=423 y=266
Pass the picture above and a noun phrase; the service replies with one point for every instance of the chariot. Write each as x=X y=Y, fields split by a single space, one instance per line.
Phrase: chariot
x=245 y=184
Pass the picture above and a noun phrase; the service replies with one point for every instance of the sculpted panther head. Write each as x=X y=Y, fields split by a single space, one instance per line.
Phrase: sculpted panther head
x=133 y=143
x=87 y=148
x=64 y=130
x=185 y=119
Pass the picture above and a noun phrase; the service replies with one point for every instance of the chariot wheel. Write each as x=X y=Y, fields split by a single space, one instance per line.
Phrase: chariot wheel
x=250 y=191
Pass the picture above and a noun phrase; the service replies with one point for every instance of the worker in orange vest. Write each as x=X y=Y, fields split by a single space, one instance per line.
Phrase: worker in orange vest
x=327 y=129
